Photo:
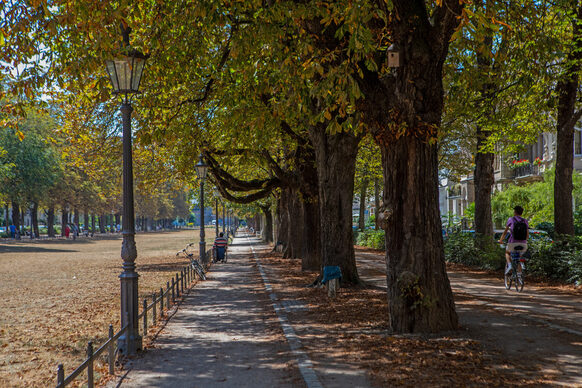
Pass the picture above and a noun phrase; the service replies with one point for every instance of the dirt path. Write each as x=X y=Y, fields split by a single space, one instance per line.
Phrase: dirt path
x=540 y=327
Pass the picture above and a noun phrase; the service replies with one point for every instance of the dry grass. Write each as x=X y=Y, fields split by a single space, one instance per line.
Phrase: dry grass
x=58 y=295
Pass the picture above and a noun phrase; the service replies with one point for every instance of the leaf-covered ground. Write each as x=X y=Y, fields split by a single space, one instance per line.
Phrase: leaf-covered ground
x=353 y=327
x=57 y=295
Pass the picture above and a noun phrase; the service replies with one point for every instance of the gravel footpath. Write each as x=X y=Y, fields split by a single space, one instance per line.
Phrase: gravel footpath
x=225 y=334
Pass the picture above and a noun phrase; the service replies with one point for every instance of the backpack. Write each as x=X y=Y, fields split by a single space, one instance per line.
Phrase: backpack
x=519 y=230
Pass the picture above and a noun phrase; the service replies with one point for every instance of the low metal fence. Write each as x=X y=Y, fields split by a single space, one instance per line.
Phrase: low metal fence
x=173 y=290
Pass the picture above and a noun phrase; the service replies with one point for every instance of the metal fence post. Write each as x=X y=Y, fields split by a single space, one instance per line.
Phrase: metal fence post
x=60 y=375
x=111 y=351
x=177 y=286
x=145 y=316
x=90 y=383
x=161 y=302
x=182 y=281
x=168 y=296
x=154 y=309
x=173 y=291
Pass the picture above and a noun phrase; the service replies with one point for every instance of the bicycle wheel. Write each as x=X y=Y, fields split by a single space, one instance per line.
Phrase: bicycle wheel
x=507 y=279
x=519 y=282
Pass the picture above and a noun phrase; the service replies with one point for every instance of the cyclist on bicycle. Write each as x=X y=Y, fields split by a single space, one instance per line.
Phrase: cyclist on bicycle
x=519 y=229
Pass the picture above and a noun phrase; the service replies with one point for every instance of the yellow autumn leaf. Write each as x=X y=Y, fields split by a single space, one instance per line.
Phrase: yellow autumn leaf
x=20 y=135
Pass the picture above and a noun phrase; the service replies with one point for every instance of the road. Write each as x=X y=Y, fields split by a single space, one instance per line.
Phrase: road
x=541 y=325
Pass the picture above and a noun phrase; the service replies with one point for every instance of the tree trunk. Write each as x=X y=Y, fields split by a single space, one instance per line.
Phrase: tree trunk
x=50 y=221
x=16 y=215
x=93 y=222
x=311 y=255
x=64 y=218
x=34 y=218
x=336 y=163
x=282 y=218
x=86 y=219
x=294 y=245
x=102 y=224
x=268 y=230
x=76 y=219
x=567 y=90
x=376 y=203
x=363 y=193
x=419 y=293
x=484 y=180
x=484 y=174
x=403 y=111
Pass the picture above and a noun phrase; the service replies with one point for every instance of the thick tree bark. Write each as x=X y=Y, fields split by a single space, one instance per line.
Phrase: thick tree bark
x=34 y=218
x=294 y=245
x=50 y=221
x=102 y=224
x=64 y=218
x=86 y=219
x=76 y=218
x=336 y=163
x=282 y=218
x=403 y=110
x=484 y=174
x=16 y=215
x=311 y=255
x=93 y=217
x=484 y=180
x=567 y=90
x=376 y=203
x=268 y=231
x=419 y=293
x=363 y=193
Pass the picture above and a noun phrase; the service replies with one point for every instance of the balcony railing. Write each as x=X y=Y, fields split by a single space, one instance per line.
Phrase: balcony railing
x=527 y=170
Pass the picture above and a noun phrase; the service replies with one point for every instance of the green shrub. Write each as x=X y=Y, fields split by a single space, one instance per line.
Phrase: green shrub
x=558 y=260
x=460 y=248
x=546 y=226
x=372 y=239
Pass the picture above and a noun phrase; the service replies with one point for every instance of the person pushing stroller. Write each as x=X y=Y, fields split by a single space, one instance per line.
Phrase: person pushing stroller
x=220 y=246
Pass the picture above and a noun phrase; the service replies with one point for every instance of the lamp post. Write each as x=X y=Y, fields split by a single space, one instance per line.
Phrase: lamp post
x=201 y=171
x=216 y=195
x=223 y=216
x=125 y=74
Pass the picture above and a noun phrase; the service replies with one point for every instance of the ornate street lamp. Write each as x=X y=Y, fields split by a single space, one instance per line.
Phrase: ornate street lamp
x=223 y=216
x=216 y=195
x=125 y=74
x=201 y=171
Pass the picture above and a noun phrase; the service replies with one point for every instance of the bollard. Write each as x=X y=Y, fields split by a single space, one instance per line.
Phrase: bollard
x=173 y=291
x=111 y=351
x=60 y=376
x=161 y=302
x=145 y=317
x=154 y=309
x=90 y=383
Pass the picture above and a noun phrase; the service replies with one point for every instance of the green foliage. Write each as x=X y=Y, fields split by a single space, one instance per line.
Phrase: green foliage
x=371 y=238
x=461 y=248
x=557 y=260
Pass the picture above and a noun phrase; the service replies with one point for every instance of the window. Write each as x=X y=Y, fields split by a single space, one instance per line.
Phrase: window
x=577 y=142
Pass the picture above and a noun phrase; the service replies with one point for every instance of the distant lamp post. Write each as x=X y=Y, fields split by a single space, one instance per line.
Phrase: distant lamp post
x=223 y=216
x=125 y=74
x=216 y=195
x=201 y=171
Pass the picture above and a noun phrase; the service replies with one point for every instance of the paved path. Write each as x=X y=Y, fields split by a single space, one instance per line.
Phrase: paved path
x=231 y=331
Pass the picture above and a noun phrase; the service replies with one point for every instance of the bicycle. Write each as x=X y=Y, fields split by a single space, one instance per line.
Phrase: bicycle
x=194 y=262
x=514 y=277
